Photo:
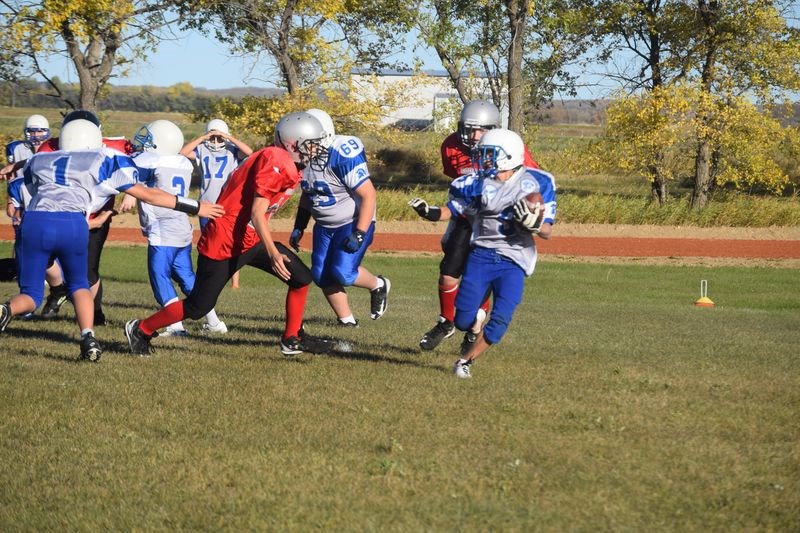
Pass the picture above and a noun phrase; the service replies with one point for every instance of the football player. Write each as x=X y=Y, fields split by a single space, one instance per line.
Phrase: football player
x=169 y=233
x=476 y=118
x=339 y=195
x=255 y=190
x=66 y=185
x=217 y=154
x=36 y=135
x=503 y=250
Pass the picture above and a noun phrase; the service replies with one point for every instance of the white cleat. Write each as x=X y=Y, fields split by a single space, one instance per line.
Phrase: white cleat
x=220 y=328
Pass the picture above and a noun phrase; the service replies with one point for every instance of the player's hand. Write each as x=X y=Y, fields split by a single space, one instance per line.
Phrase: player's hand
x=101 y=218
x=424 y=210
x=528 y=217
x=128 y=203
x=209 y=210
x=294 y=239
x=7 y=172
x=279 y=261
x=354 y=242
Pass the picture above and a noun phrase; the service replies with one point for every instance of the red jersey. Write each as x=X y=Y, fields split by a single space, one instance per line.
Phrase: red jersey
x=120 y=144
x=269 y=173
x=456 y=160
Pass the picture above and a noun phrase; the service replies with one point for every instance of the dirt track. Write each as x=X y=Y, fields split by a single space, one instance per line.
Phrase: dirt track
x=591 y=241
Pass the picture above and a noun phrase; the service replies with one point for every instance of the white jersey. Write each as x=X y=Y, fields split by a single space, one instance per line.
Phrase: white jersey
x=18 y=151
x=77 y=181
x=173 y=174
x=328 y=193
x=491 y=202
x=215 y=169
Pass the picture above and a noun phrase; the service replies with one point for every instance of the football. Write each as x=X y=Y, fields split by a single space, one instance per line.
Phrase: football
x=533 y=199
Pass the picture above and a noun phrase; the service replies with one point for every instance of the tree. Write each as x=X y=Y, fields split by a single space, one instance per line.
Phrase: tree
x=516 y=49
x=98 y=37
x=309 y=44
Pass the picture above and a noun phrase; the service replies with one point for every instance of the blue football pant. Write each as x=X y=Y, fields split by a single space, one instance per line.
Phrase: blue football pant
x=166 y=264
x=45 y=235
x=487 y=270
x=330 y=263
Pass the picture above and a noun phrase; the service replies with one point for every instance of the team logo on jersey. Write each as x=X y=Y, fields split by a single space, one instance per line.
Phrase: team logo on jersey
x=528 y=186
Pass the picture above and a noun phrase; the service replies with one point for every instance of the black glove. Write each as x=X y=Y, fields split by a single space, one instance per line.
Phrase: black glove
x=354 y=241
x=294 y=239
x=428 y=212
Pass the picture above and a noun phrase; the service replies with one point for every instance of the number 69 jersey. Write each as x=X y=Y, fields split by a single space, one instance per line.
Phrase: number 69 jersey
x=328 y=193
x=77 y=181
x=492 y=202
x=173 y=174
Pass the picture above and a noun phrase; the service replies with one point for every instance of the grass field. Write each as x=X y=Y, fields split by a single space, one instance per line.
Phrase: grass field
x=612 y=404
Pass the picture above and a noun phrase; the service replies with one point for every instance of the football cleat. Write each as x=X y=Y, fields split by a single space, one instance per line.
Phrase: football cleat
x=461 y=369
x=5 y=316
x=306 y=343
x=56 y=298
x=90 y=349
x=138 y=341
x=175 y=332
x=220 y=328
x=379 y=299
x=466 y=344
x=346 y=324
x=442 y=330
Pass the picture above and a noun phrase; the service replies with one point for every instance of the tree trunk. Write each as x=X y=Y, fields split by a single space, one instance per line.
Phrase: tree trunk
x=517 y=15
x=658 y=187
x=702 y=174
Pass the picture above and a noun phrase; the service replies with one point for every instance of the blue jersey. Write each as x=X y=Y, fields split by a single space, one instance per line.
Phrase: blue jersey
x=18 y=194
x=328 y=193
x=77 y=181
x=173 y=174
x=490 y=202
x=216 y=168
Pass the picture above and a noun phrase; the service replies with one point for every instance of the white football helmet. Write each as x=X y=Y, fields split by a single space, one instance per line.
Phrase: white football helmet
x=216 y=125
x=80 y=134
x=477 y=115
x=301 y=134
x=36 y=129
x=161 y=136
x=498 y=150
x=327 y=125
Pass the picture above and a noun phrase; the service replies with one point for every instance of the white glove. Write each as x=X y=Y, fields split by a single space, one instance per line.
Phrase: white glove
x=528 y=217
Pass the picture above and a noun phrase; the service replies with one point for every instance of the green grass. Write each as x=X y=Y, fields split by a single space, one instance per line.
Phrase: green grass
x=612 y=403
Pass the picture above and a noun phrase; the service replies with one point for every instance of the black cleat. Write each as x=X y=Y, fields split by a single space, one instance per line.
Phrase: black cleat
x=138 y=342
x=306 y=343
x=378 y=299
x=5 y=316
x=56 y=298
x=90 y=349
x=442 y=330
x=469 y=340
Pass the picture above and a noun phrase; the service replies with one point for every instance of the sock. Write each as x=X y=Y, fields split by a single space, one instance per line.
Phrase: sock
x=212 y=319
x=447 y=301
x=485 y=305
x=295 y=307
x=380 y=284
x=59 y=290
x=168 y=315
x=98 y=298
x=350 y=319
x=85 y=332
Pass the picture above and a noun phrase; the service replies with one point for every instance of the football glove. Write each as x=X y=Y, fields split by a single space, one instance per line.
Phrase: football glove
x=354 y=241
x=294 y=239
x=528 y=218
x=428 y=212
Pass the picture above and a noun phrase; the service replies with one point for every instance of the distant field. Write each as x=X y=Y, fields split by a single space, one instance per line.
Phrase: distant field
x=409 y=164
x=612 y=404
